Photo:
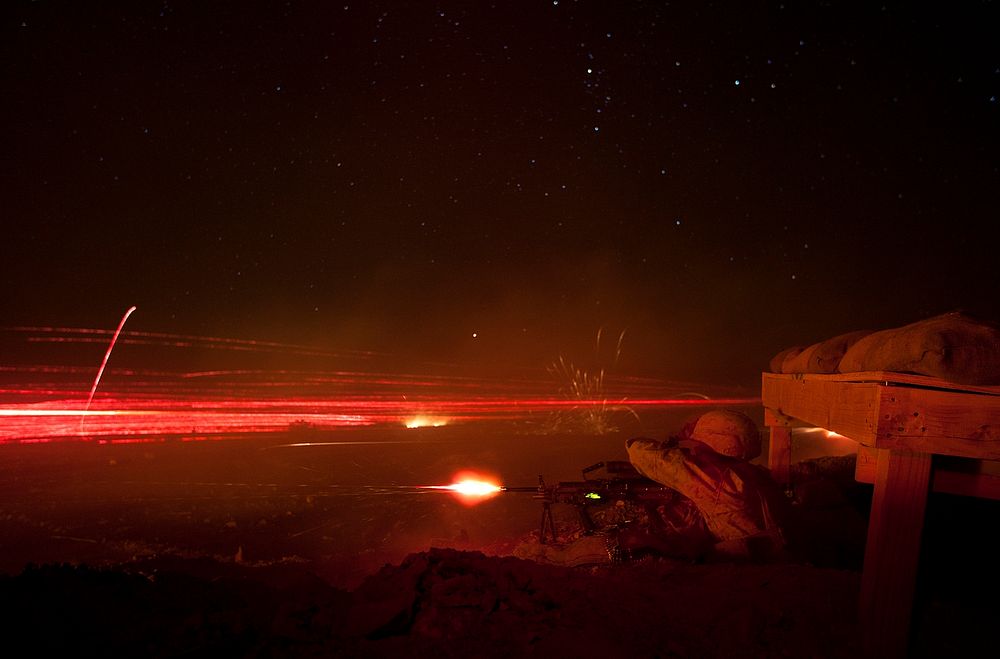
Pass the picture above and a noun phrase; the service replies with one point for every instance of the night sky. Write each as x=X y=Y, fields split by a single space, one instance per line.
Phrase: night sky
x=492 y=183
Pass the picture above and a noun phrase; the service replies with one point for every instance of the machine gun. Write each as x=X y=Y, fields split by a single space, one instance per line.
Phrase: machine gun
x=605 y=483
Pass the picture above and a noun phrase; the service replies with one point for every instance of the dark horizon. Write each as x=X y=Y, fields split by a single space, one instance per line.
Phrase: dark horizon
x=720 y=183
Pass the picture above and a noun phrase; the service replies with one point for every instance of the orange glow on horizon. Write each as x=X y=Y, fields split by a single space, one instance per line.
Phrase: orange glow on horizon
x=426 y=422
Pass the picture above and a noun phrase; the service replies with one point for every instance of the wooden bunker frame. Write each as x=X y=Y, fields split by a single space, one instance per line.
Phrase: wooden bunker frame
x=902 y=423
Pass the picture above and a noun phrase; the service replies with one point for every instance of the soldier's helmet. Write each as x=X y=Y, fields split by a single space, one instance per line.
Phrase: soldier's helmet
x=728 y=432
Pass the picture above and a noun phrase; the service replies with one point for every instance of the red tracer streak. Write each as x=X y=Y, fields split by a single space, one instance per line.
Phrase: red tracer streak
x=107 y=355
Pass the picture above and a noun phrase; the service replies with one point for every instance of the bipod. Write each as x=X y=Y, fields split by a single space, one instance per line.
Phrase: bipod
x=547 y=521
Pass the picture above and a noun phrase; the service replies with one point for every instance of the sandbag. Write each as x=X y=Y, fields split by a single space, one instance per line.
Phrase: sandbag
x=825 y=357
x=777 y=362
x=856 y=357
x=798 y=363
x=951 y=346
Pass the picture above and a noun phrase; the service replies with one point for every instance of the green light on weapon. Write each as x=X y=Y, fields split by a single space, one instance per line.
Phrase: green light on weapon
x=591 y=495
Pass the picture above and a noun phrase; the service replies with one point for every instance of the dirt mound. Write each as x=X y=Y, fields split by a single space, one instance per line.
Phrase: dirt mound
x=451 y=603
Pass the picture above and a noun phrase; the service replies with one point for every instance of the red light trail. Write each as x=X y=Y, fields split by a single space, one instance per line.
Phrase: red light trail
x=84 y=335
x=153 y=418
x=45 y=403
x=107 y=355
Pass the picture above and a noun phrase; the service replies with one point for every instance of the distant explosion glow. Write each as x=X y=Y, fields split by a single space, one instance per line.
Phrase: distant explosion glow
x=426 y=422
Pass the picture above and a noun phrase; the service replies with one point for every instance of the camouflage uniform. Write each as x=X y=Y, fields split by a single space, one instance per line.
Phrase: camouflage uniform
x=737 y=501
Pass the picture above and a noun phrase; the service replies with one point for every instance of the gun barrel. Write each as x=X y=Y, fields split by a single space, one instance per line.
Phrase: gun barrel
x=532 y=488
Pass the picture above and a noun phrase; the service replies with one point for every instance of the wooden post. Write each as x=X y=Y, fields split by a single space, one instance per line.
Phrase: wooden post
x=902 y=480
x=779 y=454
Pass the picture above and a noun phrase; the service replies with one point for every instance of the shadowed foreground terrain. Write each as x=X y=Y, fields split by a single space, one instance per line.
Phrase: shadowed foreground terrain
x=438 y=603
x=159 y=550
x=450 y=603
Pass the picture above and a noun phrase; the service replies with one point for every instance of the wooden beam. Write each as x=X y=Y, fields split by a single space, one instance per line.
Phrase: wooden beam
x=941 y=422
x=864 y=467
x=945 y=481
x=899 y=421
x=902 y=480
x=964 y=424
x=893 y=378
x=847 y=408
x=775 y=418
x=779 y=454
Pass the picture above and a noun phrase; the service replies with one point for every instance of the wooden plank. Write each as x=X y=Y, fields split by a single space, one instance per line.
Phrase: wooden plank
x=891 y=377
x=943 y=480
x=847 y=408
x=929 y=420
x=779 y=454
x=864 y=468
x=775 y=418
x=941 y=422
x=888 y=581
